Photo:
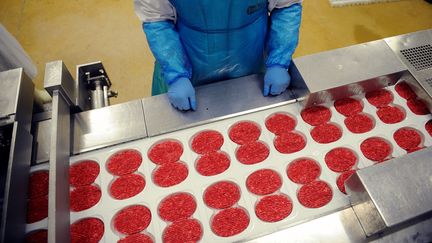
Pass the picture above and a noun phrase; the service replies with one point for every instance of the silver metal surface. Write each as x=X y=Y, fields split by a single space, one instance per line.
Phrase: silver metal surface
x=348 y=71
x=9 y=83
x=107 y=126
x=391 y=193
x=339 y=227
x=58 y=198
x=420 y=232
x=414 y=50
x=58 y=77
x=16 y=98
x=97 y=97
x=14 y=206
x=215 y=101
x=42 y=132
x=105 y=96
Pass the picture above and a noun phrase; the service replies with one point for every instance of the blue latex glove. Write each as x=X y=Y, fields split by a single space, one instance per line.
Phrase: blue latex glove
x=181 y=94
x=276 y=80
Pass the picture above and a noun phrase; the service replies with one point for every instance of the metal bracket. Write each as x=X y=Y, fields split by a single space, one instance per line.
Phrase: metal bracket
x=95 y=79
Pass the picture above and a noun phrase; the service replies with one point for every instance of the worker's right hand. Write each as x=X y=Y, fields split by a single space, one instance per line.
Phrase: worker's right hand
x=181 y=94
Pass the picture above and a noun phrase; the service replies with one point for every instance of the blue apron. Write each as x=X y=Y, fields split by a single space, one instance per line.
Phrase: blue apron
x=223 y=39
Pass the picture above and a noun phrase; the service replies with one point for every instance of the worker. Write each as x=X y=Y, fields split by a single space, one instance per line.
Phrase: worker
x=198 y=42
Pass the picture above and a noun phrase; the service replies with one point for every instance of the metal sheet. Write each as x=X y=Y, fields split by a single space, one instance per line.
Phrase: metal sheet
x=9 y=82
x=379 y=207
x=15 y=199
x=107 y=126
x=339 y=227
x=16 y=97
x=215 y=101
x=42 y=131
x=344 y=66
x=58 y=200
x=412 y=44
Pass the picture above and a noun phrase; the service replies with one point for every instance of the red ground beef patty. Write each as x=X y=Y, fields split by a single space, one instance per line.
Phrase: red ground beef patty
x=212 y=163
x=342 y=178
x=166 y=151
x=40 y=236
x=229 y=222
x=83 y=173
x=417 y=107
x=326 y=133
x=124 y=162
x=188 y=230
x=407 y=138
x=89 y=230
x=127 y=186
x=252 y=153
x=264 y=182
x=340 y=159
x=376 y=149
x=316 y=115
x=348 y=106
x=170 y=174
x=177 y=206
x=273 y=208
x=136 y=238
x=391 y=114
x=132 y=219
x=315 y=194
x=379 y=98
x=359 y=123
x=38 y=184
x=84 y=197
x=415 y=149
x=303 y=171
x=428 y=127
x=207 y=141
x=289 y=142
x=37 y=209
x=280 y=123
x=222 y=195
x=244 y=132
x=405 y=91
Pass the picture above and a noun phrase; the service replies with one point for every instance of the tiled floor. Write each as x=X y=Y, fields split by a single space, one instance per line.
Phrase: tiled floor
x=81 y=31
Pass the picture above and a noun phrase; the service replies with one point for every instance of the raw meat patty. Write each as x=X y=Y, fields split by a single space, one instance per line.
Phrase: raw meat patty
x=316 y=115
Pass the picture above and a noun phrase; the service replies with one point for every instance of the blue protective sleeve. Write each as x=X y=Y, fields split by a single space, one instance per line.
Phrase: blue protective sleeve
x=283 y=35
x=165 y=43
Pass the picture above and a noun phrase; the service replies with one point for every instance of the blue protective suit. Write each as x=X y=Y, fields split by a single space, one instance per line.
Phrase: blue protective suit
x=208 y=40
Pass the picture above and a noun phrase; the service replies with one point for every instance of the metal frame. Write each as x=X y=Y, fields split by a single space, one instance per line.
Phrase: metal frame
x=318 y=78
x=61 y=86
x=17 y=95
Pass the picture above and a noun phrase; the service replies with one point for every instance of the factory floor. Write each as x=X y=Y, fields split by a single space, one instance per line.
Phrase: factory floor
x=83 y=31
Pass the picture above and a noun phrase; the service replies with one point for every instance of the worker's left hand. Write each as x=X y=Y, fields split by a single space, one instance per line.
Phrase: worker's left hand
x=276 y=80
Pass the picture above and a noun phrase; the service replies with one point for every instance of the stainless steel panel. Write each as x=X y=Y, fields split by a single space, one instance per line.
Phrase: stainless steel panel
x=9 y=83
x=344 y=66
x=16 y=97
x=58 y=201
x=15 y=198
x=394 y=192
x=43 y=138
x=411 y=43
x=215 y=101
x=58 y=77
x=107 y=126
x=339 y=227
x=419 y=232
